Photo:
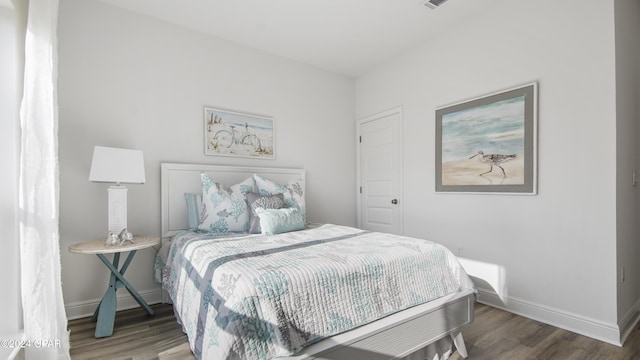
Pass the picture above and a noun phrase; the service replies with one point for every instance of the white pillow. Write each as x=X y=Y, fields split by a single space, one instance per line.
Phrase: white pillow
x=224 y=209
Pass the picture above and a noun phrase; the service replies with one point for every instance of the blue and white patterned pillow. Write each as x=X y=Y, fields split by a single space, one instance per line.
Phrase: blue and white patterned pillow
x=293 y=192
x=224 y=209
x=277 y=221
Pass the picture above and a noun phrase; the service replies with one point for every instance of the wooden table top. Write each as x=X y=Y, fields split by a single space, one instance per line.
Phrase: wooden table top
x=101 y=247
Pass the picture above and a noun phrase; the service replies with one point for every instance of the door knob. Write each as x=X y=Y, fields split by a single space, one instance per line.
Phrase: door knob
x=394 y=201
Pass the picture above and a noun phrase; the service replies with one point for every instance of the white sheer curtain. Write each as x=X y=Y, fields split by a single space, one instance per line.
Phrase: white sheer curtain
x=45 y=321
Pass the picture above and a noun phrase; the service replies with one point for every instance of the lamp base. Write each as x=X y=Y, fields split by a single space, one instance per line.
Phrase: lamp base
x=117 y=208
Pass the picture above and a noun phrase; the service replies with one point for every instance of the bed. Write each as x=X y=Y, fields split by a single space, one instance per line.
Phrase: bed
x=316 y=291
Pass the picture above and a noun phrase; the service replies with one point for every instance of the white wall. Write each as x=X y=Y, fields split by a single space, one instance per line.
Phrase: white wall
x=551 y=256
x=127 y=80
x=12 y=30
x=627 y=27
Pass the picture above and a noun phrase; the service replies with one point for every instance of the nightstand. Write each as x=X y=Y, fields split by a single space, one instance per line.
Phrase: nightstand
x=106 y=311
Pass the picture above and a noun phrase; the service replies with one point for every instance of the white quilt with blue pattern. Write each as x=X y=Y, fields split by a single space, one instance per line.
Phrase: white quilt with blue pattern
x=260 y=297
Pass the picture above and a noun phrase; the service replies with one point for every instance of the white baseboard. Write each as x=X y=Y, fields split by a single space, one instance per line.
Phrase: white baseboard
x=124 y=300
x=629 y=322
x=609 y=333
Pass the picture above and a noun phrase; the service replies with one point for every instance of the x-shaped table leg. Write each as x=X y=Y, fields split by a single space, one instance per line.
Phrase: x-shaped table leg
x=106 y=312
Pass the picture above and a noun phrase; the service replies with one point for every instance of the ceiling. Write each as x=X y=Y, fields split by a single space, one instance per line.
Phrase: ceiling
x=348 y=37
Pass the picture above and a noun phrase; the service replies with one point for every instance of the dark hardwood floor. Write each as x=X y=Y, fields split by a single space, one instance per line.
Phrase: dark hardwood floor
x=497 y=334
x=136 y=336
x=494 y=335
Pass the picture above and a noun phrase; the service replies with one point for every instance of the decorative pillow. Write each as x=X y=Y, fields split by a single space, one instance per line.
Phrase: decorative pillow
x=276 y=221
x=194 y=207
x=224 y=209
x=293 y=191
x=254 y=200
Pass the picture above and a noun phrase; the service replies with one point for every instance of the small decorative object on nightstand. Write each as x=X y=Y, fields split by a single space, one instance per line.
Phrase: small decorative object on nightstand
x=106 y=311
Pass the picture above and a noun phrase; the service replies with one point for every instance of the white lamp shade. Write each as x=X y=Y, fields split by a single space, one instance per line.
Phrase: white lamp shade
x=115 y=165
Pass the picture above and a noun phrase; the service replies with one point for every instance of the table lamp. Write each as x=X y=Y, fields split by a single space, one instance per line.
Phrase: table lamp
x=119 y=166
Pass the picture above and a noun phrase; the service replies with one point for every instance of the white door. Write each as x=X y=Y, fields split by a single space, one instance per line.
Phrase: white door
x=380 y=172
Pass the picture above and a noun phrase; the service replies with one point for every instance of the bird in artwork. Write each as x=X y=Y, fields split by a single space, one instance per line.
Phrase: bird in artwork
x=493 y=160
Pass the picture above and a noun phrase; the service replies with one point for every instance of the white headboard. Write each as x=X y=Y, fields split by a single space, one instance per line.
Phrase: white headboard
x=178 y=179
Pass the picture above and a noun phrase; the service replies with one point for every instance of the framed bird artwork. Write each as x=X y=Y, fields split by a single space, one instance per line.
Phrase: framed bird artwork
x=488 y=144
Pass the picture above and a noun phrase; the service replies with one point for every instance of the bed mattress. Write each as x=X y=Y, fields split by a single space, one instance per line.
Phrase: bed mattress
x=260 y=297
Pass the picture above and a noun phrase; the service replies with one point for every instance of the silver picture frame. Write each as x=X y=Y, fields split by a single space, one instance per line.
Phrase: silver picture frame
x=489 y=144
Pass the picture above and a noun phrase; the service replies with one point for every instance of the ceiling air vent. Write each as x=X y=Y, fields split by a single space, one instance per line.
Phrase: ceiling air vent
x=433 y=4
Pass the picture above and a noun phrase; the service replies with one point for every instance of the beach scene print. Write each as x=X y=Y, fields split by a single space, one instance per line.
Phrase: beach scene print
x=484 y=145
x=235 y=134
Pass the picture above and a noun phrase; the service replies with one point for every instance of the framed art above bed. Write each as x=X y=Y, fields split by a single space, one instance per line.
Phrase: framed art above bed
x=230 y=133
